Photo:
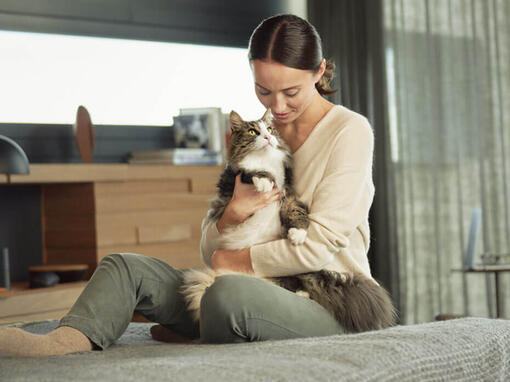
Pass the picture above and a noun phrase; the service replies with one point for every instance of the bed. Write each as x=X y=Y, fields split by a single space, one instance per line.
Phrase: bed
x=465 y=349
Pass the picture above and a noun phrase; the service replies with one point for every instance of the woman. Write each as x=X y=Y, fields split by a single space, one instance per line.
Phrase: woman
x=332 y=148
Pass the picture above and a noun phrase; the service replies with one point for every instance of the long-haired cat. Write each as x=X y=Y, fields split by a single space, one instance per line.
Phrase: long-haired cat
x=260 y=155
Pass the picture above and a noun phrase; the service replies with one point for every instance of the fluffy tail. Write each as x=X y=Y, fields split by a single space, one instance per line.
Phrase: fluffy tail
x=357 y=303
x=194 y=284
x=195 y=281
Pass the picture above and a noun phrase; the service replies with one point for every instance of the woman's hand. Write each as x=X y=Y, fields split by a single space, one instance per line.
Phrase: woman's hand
x=246 y=200
x=235 y=260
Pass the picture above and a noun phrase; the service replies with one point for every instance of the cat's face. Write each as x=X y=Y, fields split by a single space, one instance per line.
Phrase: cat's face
x=249 y=136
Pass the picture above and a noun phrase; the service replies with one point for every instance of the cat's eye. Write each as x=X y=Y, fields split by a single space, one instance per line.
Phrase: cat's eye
x=253 y=132
x=270 y=130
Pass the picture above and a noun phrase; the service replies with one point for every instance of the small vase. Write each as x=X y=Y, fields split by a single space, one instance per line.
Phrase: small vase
x=84 y=134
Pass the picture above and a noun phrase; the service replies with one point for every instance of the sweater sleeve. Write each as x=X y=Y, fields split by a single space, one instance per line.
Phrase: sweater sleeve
x=340 y=203
x=209 y=240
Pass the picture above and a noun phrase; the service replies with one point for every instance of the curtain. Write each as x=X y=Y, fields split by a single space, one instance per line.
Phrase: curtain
x=448 y=92
x=438 y=71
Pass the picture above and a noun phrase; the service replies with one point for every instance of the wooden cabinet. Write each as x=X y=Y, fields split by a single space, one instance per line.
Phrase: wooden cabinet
x=90 y=211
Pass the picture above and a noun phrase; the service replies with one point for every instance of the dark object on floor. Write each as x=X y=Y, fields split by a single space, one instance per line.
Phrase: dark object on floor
x=448 y=316
x=43 y=279
x=66 y=272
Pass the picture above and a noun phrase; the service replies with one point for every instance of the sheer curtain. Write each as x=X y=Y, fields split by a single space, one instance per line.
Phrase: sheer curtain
x=433 y=77
x=448 y=103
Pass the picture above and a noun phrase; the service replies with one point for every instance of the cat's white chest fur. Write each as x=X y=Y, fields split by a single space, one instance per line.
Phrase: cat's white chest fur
x=269 y=160
x=264 y=225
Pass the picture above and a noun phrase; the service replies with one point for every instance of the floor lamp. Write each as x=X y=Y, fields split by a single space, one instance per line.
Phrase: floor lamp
x=13 y=160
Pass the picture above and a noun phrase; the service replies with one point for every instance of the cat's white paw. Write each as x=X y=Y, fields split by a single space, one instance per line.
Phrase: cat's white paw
x=303 y=293
x=343 y=277
x=262 y=184
x=296 y=235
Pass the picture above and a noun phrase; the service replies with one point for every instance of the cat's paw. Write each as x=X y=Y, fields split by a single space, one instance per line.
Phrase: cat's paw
x=296 y=235
x=343 y=277
x=303 y=293
x=262 y=184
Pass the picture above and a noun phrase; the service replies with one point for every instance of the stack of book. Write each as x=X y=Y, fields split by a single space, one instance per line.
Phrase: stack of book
x=200 y=138
x=177 y=156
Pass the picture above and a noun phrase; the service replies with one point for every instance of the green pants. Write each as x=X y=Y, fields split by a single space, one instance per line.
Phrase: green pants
x=235 y=308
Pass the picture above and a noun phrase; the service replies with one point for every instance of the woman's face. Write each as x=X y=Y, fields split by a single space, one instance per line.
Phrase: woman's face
x=285 y=90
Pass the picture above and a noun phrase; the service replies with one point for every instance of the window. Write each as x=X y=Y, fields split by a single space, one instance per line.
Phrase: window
x=45 y=77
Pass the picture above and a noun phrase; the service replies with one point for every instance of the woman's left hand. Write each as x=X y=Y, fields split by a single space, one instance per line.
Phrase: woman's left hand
x=235 y=260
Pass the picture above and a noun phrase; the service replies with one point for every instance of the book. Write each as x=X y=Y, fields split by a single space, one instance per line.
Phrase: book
x=476 y=214
x=171 y=153
x=178 y=161
x=176 y=157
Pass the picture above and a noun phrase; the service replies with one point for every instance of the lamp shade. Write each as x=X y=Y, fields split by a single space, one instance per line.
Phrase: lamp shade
x=13 y=159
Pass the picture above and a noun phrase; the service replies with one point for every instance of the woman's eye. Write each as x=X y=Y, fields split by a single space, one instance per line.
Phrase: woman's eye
x=264 y=93
x=252 y=132
x=292 y=94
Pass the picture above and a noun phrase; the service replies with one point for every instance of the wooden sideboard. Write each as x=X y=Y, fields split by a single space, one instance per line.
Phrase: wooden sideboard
x=92 y=210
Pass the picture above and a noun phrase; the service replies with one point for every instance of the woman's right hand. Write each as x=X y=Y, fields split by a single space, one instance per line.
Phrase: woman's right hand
x=246 y=200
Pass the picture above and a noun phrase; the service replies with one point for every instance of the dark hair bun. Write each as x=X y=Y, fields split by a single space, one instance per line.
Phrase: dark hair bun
x=324 y=84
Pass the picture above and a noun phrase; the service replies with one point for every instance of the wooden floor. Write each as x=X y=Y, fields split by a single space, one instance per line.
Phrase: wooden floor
x=21 y=304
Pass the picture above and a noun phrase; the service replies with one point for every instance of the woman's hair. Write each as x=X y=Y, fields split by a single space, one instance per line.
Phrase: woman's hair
x=294 y=42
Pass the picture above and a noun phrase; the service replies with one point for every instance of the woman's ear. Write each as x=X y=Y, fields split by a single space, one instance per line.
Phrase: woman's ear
x=320 y=72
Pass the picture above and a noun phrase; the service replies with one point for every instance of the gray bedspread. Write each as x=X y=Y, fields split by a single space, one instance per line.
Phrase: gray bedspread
x=467 y=349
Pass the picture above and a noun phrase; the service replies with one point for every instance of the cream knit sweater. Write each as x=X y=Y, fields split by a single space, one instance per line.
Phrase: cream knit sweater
x=333 y=176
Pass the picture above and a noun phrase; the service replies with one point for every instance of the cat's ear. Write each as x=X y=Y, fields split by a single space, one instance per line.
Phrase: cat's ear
x=235 y=121
x=268 y=117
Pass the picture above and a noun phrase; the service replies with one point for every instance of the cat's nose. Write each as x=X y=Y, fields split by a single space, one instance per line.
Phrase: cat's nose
x=267 y=137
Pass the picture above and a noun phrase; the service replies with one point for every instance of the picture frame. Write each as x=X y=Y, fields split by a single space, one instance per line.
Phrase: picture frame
x=201 y=127
x=192 y=131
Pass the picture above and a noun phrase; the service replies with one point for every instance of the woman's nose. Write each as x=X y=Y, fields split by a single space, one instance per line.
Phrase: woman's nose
x=278 y=104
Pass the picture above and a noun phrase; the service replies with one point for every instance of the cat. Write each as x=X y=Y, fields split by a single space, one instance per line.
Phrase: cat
x=262 y=158
x=259 y=154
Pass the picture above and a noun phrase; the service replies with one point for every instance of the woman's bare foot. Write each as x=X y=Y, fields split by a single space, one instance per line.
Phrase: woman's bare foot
x=63 y=340
x=160 y=333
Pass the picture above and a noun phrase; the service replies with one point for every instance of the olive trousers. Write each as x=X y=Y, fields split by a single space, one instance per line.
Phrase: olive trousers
x=235 y=308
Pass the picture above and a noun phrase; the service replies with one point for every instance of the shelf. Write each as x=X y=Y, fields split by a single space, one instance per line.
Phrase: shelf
x=486 y=268
x=81 y=173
